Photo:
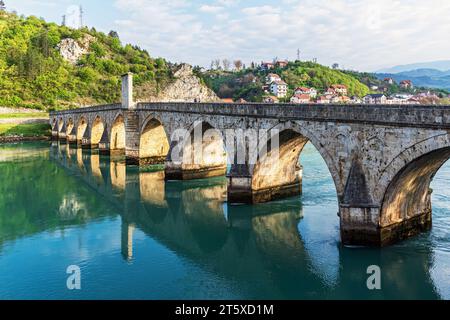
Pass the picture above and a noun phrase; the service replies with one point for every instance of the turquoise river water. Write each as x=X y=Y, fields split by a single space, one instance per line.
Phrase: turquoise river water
x=135 y=236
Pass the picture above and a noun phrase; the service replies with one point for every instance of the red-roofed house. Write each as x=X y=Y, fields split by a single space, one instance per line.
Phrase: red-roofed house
x=340 y=89
x=271 y=77
x=301 y=98
x=406 y=84
x=270 y=99
x=282 y=63
x=267 y=65
x=309 y=91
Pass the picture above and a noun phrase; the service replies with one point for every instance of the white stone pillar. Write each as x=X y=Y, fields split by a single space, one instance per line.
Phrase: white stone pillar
x=127 y=91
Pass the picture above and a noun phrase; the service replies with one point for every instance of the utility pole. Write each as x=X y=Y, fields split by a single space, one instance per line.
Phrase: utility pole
x=81 y=17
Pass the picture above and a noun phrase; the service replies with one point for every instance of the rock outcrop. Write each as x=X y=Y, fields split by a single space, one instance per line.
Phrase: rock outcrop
x=187 y=87
x=72 y=50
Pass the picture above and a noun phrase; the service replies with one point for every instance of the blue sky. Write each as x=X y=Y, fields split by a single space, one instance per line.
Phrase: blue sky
x=357 y=34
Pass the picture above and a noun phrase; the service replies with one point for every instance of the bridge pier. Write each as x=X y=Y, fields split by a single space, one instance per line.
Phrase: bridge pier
x=242 y=188
x=177 y=172
x=71 y=139
x=85 y=143
x=54 y=134
x=360 y=226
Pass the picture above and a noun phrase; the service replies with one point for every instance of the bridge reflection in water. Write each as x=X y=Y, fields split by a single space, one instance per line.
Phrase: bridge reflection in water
x=259 y=246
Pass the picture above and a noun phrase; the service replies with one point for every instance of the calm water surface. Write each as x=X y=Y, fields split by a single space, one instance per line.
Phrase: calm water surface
x=135 y=236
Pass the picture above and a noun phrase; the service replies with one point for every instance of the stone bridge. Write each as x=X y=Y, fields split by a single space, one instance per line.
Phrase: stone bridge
x=381 y=158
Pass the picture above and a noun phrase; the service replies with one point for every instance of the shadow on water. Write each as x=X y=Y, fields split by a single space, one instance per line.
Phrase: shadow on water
x=278 y=250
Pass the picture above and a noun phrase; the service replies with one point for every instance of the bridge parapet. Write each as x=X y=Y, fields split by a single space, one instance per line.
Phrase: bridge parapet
x=399 y=115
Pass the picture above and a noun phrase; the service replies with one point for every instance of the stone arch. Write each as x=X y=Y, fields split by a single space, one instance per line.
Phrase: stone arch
x=70 y=126
x=153 y=142
x=98 y=127
x=81 y=128
x=280 y=167
x=117 y=140
x=60 y=124
x=198 y=153
x=404 y=186
x=211 y=146
x=269 y=173
x=54 y=125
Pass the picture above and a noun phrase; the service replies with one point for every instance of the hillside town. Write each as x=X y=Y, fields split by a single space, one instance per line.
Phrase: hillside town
x=277 y=90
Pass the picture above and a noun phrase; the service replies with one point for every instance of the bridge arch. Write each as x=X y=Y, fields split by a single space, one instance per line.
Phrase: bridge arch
x=206 y=151
x=70 y=126
x=60 y=124
x=54 y=125
x=98 y=127
x=198 y=152
x=118 y=134
x=281 y=169
x=153 y=142
x=81 y=128
x=404 y=186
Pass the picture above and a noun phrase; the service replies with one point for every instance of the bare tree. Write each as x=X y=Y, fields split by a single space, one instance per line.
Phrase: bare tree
x=226 y=64
x=238 y=64
x=216 y=63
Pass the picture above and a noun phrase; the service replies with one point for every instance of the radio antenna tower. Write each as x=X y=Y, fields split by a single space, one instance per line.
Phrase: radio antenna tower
x=63 y=20
x=81 y=17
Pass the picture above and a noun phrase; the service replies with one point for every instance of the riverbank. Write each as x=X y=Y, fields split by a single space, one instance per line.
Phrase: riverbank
x=23 y=125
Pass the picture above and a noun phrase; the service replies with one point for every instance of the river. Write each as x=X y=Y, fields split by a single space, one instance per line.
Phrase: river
x=135 y=236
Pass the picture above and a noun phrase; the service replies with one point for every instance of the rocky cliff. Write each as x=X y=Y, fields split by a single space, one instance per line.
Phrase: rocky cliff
x=72 y=50
x=186 y=87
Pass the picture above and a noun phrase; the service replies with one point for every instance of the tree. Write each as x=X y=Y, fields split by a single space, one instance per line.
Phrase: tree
x=238 y=64
x=226 y=64
x=113 y=34
x=216 y=64
x=335 y=66
x=2 y=5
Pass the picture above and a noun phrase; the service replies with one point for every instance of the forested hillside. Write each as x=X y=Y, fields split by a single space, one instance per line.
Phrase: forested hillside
x=34 y=74
x=247 y=83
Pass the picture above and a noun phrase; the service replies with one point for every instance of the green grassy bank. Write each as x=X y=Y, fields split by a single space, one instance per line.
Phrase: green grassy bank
x=25 y=130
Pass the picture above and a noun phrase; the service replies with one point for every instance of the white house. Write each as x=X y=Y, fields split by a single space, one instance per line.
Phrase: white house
x=309 y=91
x=267 y=66
x=375 y=99
x=301 y=98
x=271 y=77
x=339 y=89
x=325 y=99
x=355 y=100
x=279 y=88
x=270 y=99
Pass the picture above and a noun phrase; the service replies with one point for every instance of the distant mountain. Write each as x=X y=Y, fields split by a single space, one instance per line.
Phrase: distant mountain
x=430 y=78
x=425 y=73
x=443 y=65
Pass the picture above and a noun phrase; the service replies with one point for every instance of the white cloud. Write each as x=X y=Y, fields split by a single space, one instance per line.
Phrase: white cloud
x=210 y=9
x=361 y=34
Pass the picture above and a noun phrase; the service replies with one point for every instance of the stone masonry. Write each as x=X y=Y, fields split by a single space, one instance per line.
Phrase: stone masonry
x=382 y=158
